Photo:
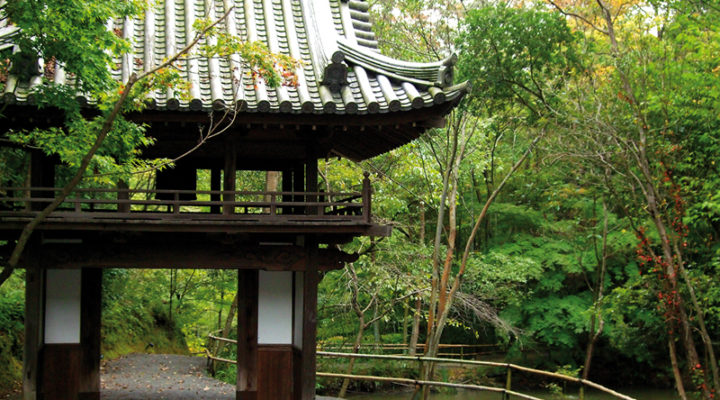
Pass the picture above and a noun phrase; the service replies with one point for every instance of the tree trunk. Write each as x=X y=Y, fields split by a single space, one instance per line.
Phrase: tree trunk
x=360 y=312
x=406 y=308
x=376 y=327
x=675 y=368
x=415 y=327
x=356 y=349
x=596 y=317
x=172 y=294
x=271 y=185
x=421 y=228
x=647 y=185
x=699 y=314
x=226 y=329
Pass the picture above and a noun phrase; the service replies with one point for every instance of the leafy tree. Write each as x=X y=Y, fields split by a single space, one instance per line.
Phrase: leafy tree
x=73 y=33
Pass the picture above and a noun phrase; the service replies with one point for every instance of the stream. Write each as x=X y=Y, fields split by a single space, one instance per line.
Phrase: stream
x=639 y=394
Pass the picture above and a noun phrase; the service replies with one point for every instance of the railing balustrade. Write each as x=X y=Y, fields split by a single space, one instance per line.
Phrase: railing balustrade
x=168 y=204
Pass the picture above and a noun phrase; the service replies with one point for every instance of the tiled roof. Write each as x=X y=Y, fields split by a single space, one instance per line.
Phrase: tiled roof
x=342 y=72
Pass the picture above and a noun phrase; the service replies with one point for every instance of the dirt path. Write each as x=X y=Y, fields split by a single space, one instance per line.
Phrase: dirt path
x=162 y=377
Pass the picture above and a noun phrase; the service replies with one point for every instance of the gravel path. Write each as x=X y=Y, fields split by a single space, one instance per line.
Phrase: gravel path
x=162 y=377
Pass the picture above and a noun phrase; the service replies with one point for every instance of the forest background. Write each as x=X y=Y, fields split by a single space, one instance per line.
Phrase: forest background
x=569 y=211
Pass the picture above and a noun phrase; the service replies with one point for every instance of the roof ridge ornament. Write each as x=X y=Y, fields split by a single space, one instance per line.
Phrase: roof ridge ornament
x=439 y=73
x=322 y=42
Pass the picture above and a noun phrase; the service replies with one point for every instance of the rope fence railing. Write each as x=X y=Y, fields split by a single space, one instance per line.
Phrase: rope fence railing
x=506 y=391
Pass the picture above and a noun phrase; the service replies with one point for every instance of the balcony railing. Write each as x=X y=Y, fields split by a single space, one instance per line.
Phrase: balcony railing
x=141 y=204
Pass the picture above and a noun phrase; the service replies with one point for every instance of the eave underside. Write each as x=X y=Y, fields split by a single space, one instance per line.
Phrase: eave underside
x=266 y=136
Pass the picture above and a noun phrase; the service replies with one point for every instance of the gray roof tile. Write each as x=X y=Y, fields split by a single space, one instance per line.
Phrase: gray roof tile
x=333 y=39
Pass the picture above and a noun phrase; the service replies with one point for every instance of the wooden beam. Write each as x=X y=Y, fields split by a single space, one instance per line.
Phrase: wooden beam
x=11 y=227
x=422 y=117
x=247 y=347
x=205 y=255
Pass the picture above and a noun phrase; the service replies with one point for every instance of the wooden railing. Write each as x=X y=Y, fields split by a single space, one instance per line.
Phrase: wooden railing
x=210 y=204
x=461 y=351
x=506 y=391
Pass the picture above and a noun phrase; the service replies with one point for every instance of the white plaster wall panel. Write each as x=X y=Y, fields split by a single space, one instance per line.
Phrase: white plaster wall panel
x=275 y=307
x=62 y=306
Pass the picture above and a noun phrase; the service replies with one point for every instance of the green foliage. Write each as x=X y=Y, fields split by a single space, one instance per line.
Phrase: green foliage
x=134 y=315
x=73 y=32
x=12 y=333
x=515 y=54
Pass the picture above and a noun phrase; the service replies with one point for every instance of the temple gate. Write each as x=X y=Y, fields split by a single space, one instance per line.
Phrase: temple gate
x=351 y=102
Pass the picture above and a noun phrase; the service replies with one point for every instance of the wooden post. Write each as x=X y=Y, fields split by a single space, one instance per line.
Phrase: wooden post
x=366 y=196
x=90 y=320
x=42 y=174
x=229 y=178
x=311 y=183
x=123 y=194
x=298 y=187
x=215 y=186
x=286 y=186
x=309 y=344
x=247 y=347
x=34 y=305
x=508 y=384
x=273 y=204
x=176 y=203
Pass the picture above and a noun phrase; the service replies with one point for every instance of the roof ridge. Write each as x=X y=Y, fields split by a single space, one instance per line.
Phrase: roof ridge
x=438 y=73
x=322 y=40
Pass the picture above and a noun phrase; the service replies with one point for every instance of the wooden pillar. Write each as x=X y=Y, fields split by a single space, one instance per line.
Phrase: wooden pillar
x=123 y=194
x=309 y=331
x=229 y=176
x=311 y=176
x=298 y=325
x=90 y=321
x=287 y=186
x=298 y=187
x=247 y=347
x=215 y=184
x=34 y=305
x=42 y=174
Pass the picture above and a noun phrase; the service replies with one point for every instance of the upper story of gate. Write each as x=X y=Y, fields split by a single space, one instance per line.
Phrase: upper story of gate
x=350 y=101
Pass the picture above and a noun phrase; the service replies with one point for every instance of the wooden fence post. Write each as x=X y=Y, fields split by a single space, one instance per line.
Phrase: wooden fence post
x=508 y=383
